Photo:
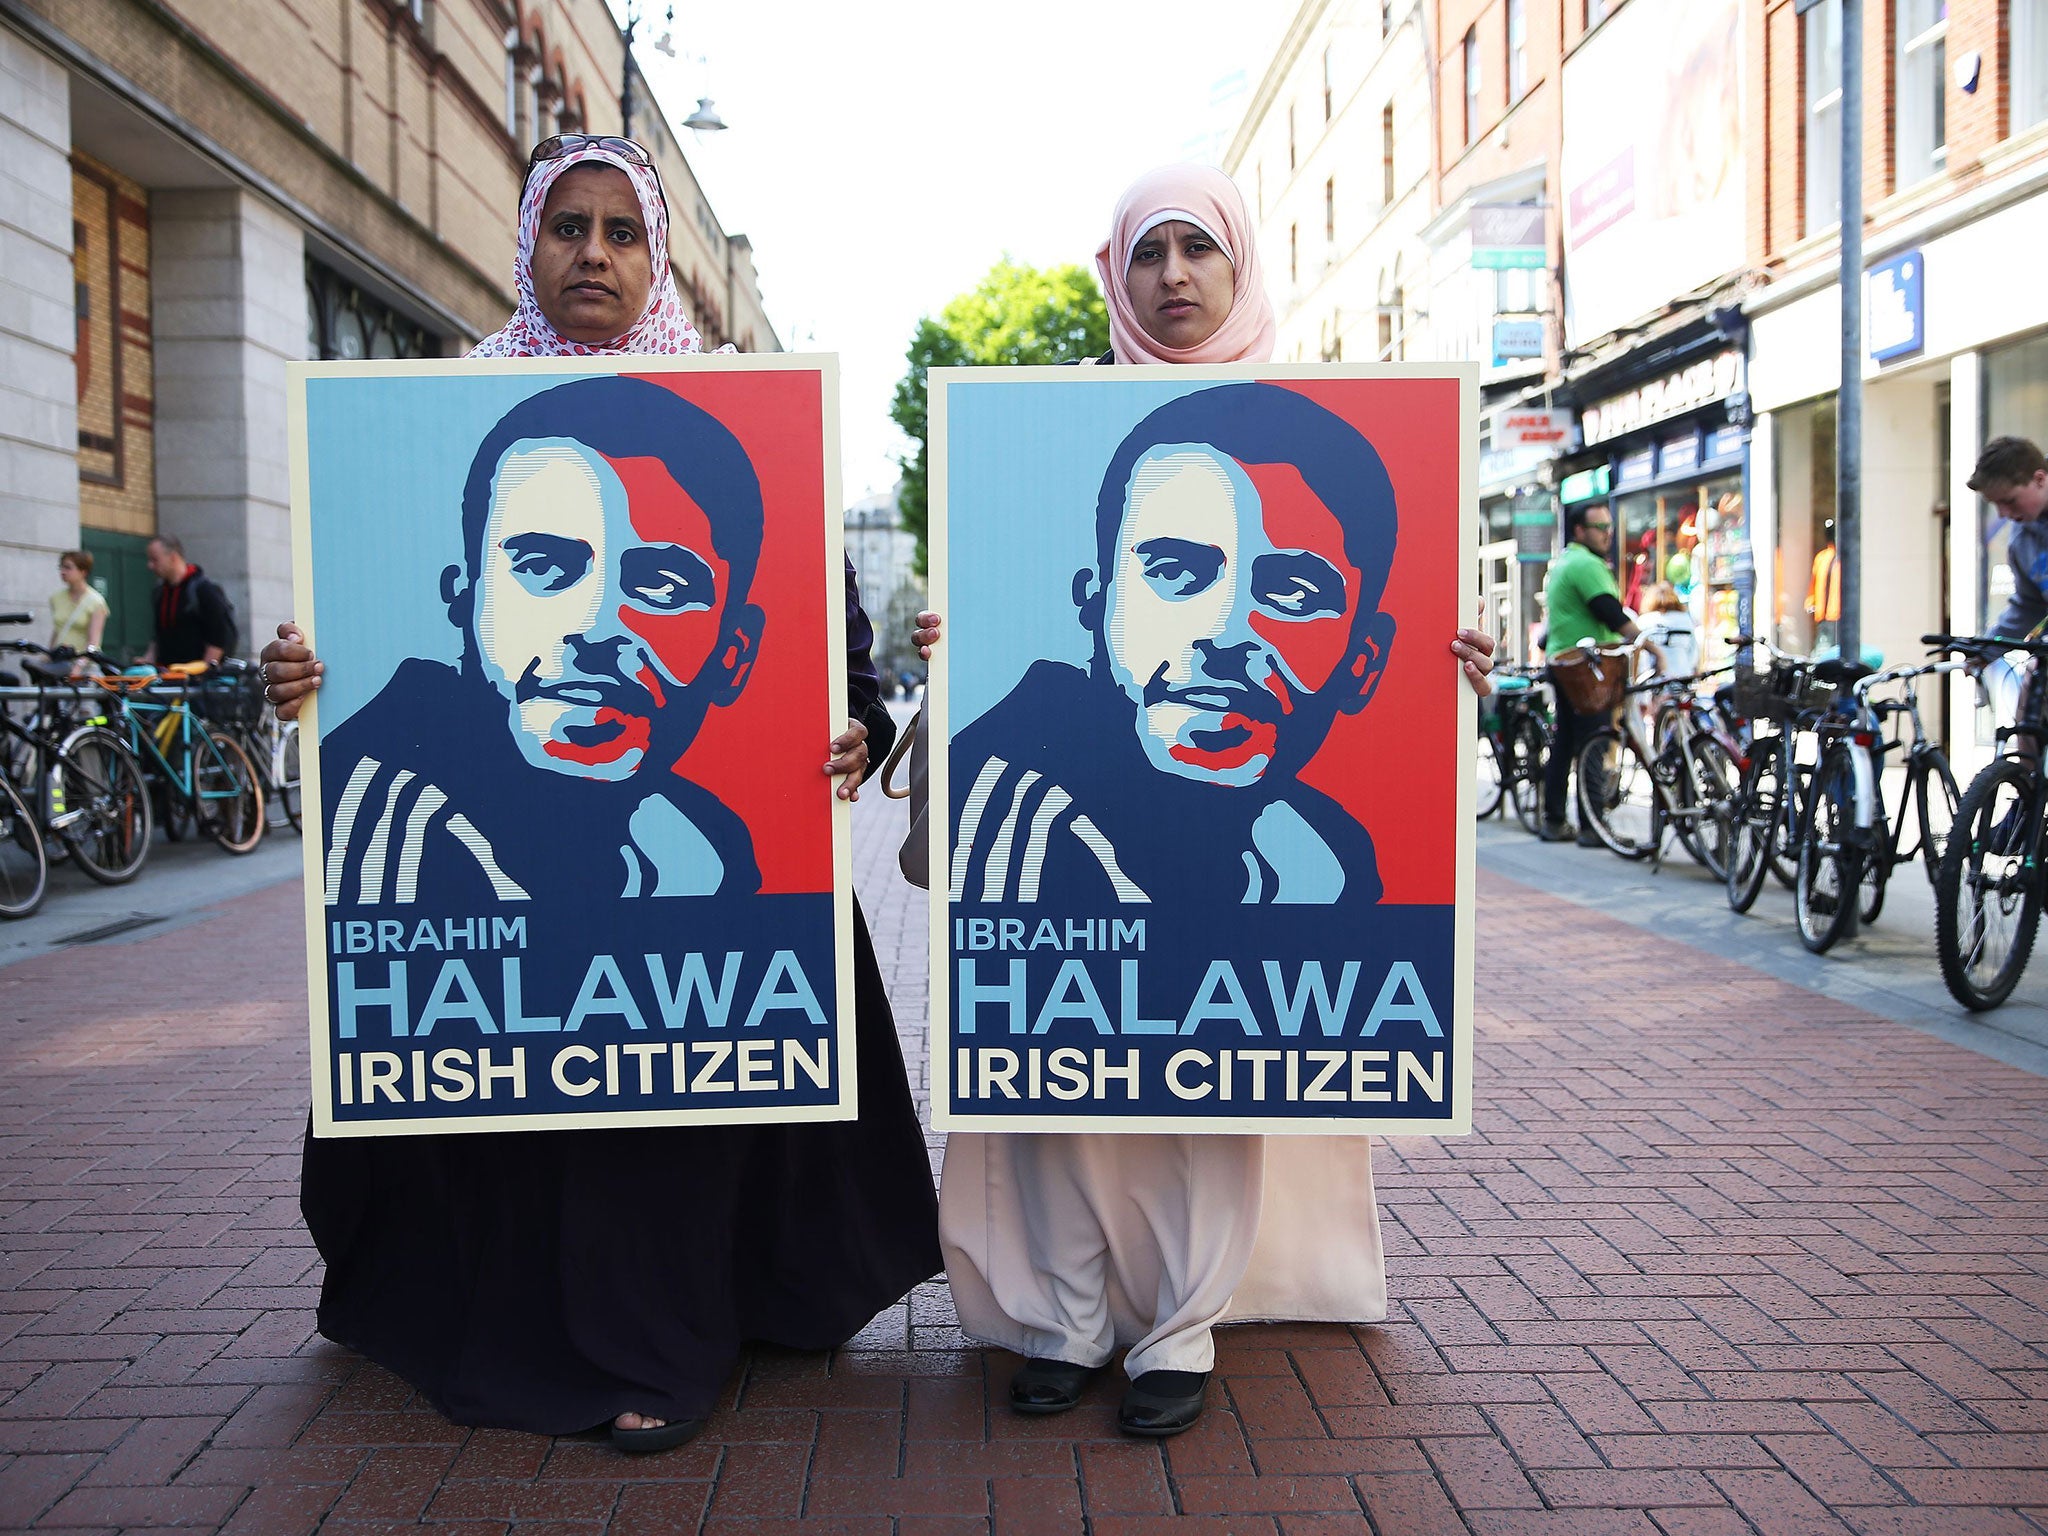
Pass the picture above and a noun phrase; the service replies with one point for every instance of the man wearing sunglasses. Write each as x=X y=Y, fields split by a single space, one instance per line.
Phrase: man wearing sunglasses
x=1583 y=605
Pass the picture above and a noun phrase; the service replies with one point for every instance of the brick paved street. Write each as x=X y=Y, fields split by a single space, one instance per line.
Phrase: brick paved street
x=1725 y=1255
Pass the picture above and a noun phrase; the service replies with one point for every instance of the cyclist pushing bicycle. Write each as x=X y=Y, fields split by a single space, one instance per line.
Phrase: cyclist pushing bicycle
x=2012 y=474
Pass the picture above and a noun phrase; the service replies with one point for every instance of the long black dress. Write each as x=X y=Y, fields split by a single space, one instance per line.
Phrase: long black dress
x=549 y=1281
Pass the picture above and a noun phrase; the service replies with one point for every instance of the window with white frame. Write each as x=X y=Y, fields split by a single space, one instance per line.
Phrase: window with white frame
x=1823 y=57
x=1921 y=30
x=1518 y=50
x=512 y=84
x=1471 y=84
x=2027 y=22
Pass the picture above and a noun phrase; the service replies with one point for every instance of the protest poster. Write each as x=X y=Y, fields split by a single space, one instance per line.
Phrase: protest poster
x=570 y=860
x=1203 y=814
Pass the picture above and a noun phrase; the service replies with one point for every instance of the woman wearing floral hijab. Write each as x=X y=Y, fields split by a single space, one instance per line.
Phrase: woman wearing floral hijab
x=552 y=1282
x=1064 y=1248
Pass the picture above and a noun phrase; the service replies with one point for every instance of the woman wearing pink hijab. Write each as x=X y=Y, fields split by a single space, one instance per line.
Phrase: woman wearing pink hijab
x=1064 y=1248
x=557 y=1281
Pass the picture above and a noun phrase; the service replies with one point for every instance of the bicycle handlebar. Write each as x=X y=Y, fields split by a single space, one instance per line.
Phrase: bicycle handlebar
x=1985 y=646
x=1901 y=674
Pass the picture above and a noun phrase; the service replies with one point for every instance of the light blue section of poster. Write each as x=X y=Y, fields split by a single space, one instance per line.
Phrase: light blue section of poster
x=1024 y=463
x=386 y=460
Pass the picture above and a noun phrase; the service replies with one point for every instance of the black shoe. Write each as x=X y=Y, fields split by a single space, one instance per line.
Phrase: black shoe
x=662 y=1437
x=1049 y=1386
x=1557 y=832
x=1162 y=1403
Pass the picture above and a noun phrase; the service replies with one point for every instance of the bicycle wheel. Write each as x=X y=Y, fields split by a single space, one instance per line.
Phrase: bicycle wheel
x=227 y=800
x=24 y=868
x=1987 y=896
x=1527 y=748
x=1753 y=824
x=105 y=820
x=1784 y=851
x=1490 y=773
x=1709 y=794
x=1824 y=893
x=1877 y=863
x=1938 y=802
x=1616 y=797
x=284 y=771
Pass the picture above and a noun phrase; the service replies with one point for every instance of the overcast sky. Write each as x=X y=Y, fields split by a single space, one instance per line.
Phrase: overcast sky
x=883 y=155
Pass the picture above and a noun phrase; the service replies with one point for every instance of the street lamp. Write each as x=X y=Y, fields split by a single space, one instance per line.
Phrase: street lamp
x=665 y=44
x=705 y=119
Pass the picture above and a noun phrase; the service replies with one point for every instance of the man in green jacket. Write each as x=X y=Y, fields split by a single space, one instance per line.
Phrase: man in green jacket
x=1584 y=608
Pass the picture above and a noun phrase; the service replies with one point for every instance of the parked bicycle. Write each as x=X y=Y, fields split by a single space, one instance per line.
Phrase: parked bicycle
x=1632 y=790
x=1988 y=890
x=203 y=776
x=1764 y=819
x=1515 y=734
x=1927 y=809
x=80 y=783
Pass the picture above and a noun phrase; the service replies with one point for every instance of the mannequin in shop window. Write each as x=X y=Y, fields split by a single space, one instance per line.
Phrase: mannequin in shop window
x=1824 y=592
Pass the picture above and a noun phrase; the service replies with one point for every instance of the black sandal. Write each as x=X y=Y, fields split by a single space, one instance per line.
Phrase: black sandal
x=1163 y=1403
x=1049 y=1386
x=661 y=1437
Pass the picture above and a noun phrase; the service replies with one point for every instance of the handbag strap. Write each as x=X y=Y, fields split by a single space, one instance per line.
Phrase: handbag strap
x=900 y=752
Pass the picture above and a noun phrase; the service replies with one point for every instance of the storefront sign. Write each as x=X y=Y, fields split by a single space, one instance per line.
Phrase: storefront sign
x=1679 y=454
x=1895 y=297
x=1586 y=485
x=1652 y=161
x=1508 y=236
x=1535 y=531
x=1121 y=939
x=1513 y=339
x=1724 y=443
x=1639 y=468
x=1537 y=427
x=1710 y=379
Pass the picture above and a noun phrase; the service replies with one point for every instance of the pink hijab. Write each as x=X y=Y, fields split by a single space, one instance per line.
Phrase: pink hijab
x=662 y=326
x=1203 y=196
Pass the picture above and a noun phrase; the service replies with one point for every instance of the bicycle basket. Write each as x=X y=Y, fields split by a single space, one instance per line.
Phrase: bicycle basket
x=1591 y=681
x=1776 y=694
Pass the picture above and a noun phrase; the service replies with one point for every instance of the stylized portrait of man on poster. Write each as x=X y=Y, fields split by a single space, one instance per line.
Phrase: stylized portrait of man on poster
x=610 y=531
x=1243 y=539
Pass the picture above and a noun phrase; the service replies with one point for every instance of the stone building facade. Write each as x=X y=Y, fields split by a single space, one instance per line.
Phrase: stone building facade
x=195 y=192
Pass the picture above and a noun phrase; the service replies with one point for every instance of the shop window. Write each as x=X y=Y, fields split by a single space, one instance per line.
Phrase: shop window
x=1518 y=50
x=1921 y=28
x=1823 y=57
x=2028 y=40
x=1471 y=84
x=344 y=322
x=2015 y=400
x=1808 y=582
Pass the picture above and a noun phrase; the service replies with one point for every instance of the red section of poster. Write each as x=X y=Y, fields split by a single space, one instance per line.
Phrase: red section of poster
x=779 y=716
x=1394 y=766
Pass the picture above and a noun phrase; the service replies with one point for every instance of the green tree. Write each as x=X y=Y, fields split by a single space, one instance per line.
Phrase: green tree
x=1017 y=315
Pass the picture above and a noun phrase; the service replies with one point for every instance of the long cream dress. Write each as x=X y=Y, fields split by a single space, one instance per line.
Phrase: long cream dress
x=1067 y=1247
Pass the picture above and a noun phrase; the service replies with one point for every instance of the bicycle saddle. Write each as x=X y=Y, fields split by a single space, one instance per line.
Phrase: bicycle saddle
x=1840 y=672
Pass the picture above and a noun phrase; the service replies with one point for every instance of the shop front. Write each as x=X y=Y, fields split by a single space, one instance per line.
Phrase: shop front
x=1672 y=473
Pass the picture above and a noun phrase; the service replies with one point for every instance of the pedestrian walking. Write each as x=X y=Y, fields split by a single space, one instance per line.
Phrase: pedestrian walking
x=557 y=1281
x=1584 y=607
x=194 y=619
x=1066 y=1247
x=78 y=613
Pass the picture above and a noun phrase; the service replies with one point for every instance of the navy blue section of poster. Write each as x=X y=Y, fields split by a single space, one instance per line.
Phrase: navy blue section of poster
x=548 y=1007
x=1270 y=1012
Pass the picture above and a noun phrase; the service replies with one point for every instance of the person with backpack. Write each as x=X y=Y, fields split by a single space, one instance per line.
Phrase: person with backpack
x=194 y=619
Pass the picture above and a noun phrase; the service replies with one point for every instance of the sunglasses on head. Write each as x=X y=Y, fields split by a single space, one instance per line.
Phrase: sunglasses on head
x=560 y=144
